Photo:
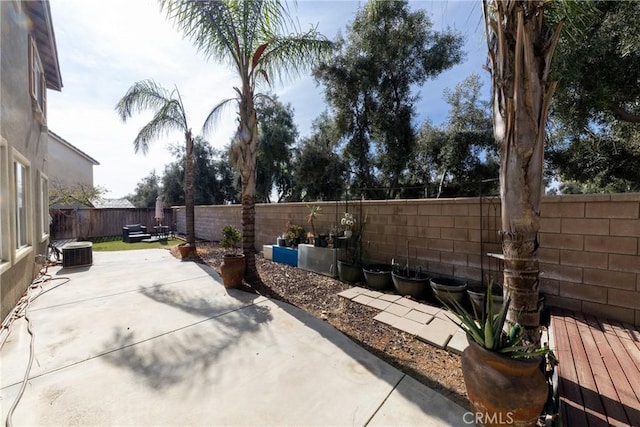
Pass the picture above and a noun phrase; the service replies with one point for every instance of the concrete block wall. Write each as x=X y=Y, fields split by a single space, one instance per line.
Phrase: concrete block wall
x=589 y=245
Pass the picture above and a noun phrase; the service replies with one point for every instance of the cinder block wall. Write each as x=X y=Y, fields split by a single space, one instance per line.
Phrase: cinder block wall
x=589 y=245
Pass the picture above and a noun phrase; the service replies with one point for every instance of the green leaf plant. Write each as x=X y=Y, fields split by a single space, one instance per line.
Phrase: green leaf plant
x=488 y=329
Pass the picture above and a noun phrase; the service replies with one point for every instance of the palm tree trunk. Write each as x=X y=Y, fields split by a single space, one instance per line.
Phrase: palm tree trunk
x=188 y=190
x=520 y=52
x=244 y=155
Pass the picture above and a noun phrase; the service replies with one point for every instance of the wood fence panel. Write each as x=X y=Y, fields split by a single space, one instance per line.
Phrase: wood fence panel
x=90 y=222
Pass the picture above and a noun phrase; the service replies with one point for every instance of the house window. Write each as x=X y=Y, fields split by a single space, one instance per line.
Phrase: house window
x=44 y=207
x=5 y=235
x=22 y=204
x=37 y=83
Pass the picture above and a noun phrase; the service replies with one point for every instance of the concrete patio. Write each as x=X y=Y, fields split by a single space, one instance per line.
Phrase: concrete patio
x=141 y=338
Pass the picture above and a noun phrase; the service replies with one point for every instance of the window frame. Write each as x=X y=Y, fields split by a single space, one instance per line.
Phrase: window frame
x=20 y=251
x=5 y=228
x=37 y=83
x=43 y=213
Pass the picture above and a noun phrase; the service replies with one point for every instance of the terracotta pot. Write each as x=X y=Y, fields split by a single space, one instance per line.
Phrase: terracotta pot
x=350 y=272
x=502 y=390
x=232 y=269
x=416 y=287
x=378 y=276
x=186 y=250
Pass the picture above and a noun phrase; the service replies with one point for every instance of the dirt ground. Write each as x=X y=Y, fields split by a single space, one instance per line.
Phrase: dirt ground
x=318 y=295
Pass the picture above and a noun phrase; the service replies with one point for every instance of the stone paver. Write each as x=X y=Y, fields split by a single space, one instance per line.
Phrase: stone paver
x=351 y=292
x=387 y=318
x=390 y=297
x=433 y=325
x=458 y=342
x=397 y=309
x=419 y=316
x=363 y=299
x=373 y=294
x=409 y=326
x=438 y=332
x=379 y=304
x=407 y=302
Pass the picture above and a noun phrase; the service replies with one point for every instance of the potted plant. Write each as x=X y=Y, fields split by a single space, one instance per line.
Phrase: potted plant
x=378 y=276
x=314 y=213
x=504 y=377
x=294 y=235
x=477 y=292
x=407 y=281
x=446 y=288
x=350 y=262
x=233 y=263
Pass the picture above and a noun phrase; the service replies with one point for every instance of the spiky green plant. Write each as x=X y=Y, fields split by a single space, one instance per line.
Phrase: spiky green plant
x=488 y=329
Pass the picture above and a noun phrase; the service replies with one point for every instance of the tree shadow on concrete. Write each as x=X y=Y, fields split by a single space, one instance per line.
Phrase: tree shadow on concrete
x=184 y=355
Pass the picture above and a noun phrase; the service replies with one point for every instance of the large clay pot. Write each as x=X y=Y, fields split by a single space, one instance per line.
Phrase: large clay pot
x=232 y=269
x=351 y=273
x=378 y=276
x=502 y=390
x=412 y=285
x=186 y=250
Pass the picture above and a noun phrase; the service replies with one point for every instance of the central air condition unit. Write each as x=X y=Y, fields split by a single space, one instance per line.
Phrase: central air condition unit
x=77 y=254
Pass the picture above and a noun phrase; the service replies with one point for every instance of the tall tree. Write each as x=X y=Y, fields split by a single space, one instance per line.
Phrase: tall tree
x=462 y=151
x=388 y=52
x=521 y=47
x=207 y=186
x=169 y=115
x=278 y=134
x=146 y=191
x=320 y=173
x=260 y=42
x=595 y=137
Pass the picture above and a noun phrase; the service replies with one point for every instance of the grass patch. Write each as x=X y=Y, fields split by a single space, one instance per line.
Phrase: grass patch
x=119 y=245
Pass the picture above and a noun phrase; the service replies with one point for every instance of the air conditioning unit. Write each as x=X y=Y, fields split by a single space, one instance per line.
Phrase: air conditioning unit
x=77 y=254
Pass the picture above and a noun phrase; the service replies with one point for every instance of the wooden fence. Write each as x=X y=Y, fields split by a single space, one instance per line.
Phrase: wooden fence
x=91 y=222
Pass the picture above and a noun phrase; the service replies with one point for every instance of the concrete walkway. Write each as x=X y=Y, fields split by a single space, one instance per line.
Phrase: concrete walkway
x=141 y=338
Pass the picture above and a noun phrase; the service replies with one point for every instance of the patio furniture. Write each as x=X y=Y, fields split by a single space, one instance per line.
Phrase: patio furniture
x=134 y=233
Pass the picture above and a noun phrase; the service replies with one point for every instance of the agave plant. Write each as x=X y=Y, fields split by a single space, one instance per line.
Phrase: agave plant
x=488 y=330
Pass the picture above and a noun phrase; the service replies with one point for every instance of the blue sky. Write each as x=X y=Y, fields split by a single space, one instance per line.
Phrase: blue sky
x=105 y=47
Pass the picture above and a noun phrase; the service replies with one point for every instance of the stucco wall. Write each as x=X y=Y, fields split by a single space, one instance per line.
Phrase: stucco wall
x=66 y=166
x=23 y=138
x=589 y=245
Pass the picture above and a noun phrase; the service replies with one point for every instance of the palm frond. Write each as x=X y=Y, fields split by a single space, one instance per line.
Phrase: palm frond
x=143 y=95
x=214 y=114
x=163 y=122
x=291 y=55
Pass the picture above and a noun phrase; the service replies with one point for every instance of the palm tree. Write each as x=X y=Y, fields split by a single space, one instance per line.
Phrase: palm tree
x=521 y=47
x=260 y=42
x=168 y=115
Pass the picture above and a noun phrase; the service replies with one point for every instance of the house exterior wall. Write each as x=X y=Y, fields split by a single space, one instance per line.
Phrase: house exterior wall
x=23 y=139
x=66 y=166
x=589 y=244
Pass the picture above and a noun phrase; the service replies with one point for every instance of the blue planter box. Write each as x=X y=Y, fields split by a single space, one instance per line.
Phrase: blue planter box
x=285 y=255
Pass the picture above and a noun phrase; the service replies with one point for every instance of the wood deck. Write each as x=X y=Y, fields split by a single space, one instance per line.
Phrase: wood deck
x=599 y=370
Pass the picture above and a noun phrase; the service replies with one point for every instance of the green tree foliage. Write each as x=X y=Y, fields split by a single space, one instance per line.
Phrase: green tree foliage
x=594 y=141
x=146 y=191
x=320 y=173
x=261 y=43
x=210 y=171
x=389 y=51
x=460 y=153
x=61 y=195
x=277 y=133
